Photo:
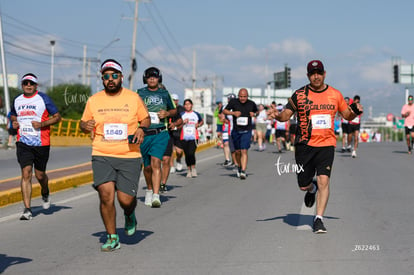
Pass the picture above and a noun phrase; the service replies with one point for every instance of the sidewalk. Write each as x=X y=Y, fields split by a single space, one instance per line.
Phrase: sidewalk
x=59 y=179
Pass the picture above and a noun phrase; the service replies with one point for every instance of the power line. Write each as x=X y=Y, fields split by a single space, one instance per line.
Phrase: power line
x=169 y=32
x=165 y=40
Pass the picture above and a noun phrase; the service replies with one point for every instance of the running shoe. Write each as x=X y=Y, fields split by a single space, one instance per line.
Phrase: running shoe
x=172 y=170
x=112 y=243
x=243 y=175
x=354 y=154
x=156 y=202
x=349 y=148
x=130 y=224
x=179 y=167
x=318 y=226
x=343 y=150
x=163 y=188
x=148 y=197
x=46 y=202
x=194 y=173
x=227 y=163
x=26 y=215
x=189 y=175
x=310 y=197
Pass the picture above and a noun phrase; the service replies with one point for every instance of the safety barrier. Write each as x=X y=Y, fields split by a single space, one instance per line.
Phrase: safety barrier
x=67 y=128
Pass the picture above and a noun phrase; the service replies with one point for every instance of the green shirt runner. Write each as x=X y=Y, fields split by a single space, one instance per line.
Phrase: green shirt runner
x=156 y=101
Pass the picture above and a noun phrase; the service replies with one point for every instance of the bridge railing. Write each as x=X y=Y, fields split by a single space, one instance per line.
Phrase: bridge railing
x=67 y=128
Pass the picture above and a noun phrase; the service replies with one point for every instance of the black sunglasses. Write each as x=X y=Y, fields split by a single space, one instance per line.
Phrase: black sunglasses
x=27 y=82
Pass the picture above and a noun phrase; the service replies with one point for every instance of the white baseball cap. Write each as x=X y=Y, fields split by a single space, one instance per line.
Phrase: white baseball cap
x=175 y=97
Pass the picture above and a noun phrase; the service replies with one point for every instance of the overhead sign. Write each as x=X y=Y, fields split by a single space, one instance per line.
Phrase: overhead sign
x=407 y=74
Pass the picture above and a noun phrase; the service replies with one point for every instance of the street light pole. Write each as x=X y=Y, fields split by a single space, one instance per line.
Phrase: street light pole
x=3 y=65
x=98 y=74
x=134 y=41
x=52 y=43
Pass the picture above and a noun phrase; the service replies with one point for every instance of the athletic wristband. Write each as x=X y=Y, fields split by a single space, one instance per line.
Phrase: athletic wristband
x=355 y=109
x=143 y=128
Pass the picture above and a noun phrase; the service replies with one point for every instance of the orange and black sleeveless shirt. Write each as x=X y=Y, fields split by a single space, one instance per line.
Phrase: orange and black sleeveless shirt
x=316 y=112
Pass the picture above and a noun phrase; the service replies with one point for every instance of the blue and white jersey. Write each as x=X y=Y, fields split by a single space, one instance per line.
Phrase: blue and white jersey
x=37 y=107
x=189 y=130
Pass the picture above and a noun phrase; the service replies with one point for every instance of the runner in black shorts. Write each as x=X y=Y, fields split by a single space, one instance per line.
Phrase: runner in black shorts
x=316 y=105
x=32 y=114
x=167 y=160
x=311 y=159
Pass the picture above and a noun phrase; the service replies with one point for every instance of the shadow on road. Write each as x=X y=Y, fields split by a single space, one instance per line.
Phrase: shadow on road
x=37 y=210
x=400 y=152
x=6 y=261
x=295 y=219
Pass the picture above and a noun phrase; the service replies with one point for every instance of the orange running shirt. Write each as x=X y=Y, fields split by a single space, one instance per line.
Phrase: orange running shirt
x=115 y=117
x=316 y=112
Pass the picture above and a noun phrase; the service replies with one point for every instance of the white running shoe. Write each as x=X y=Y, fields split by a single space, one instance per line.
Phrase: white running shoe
x=156 y=202
x=172 y=170
x=179 y=167
x=189 y=175
x=148 y=197
x=354 y=154
x=194 y=173
x=46 y=202
x=26 y=215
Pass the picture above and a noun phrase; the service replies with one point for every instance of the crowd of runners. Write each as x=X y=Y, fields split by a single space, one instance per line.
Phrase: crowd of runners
x=143 y=130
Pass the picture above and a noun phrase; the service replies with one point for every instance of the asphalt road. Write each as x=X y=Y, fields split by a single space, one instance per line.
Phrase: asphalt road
x=59 y=157
x=218 y=224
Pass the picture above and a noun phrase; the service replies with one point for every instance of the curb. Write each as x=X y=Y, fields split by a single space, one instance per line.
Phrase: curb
x=14 y=195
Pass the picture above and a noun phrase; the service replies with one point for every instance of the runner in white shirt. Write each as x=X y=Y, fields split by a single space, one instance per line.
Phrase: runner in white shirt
x=261 y=123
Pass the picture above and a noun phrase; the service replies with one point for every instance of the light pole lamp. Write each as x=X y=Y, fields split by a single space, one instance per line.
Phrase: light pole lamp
x=52 y=44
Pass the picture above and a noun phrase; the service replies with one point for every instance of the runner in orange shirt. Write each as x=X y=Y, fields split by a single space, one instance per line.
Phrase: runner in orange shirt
x=316 y=105
x=117 y=117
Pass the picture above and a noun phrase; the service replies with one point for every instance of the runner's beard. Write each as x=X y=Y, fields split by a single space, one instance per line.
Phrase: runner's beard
x=113 y=89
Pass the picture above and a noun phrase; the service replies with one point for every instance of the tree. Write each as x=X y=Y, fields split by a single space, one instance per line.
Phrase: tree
x=13 y=92
x=70 y=99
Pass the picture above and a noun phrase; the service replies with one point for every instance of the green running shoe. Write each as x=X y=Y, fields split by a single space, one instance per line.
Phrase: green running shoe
x=112 y=243
x=130 y=224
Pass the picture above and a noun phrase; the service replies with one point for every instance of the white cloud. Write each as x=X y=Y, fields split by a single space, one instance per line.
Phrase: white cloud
x=378 y=72
x=292 y=46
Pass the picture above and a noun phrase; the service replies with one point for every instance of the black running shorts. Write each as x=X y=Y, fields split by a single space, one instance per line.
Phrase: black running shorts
x=169 y=150
x=345 y=128
x=354 y=127
x=408 y=130
x=29 y=155
x=311 y=160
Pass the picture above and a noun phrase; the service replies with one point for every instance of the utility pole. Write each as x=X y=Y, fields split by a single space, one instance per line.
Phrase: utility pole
x=214 y=80
x=84 y=65
x=52 y=43
x=134 y=41
x=194 y=70
x=3 y=64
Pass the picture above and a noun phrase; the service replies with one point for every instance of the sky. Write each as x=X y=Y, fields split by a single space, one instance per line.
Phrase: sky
x=237 y=43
